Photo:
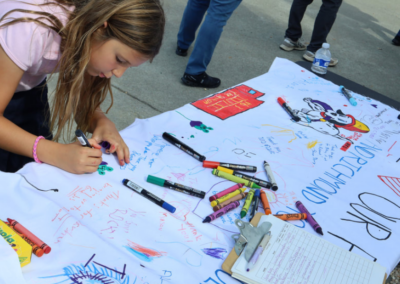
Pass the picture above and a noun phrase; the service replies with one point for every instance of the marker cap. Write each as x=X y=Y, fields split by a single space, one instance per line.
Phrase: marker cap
x=222 y=169
x=281 y=101
x=155 y=180
x=210 y=164
x=353 y=102
x=168 y=207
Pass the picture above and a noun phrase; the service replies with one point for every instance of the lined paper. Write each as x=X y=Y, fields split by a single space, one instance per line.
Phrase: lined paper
x=296 y=256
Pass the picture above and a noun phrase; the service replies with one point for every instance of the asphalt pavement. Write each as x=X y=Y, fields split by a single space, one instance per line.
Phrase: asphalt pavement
x=360 y=39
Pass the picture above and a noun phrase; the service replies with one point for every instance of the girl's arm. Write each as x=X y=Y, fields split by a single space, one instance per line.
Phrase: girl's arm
x=71 y=157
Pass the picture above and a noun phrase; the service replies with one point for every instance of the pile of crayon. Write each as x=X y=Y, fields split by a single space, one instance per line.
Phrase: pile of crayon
x=38 y=246
x=229 y=199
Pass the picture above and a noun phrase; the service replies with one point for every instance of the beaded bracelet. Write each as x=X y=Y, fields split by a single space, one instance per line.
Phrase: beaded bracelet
x=35 y=157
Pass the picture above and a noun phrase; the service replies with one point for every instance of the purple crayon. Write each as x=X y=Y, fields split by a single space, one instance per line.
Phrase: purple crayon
x=310 y=218
x=221 y=212
x=226 y=191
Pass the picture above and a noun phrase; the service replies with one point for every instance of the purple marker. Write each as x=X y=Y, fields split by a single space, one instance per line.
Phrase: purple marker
x=226 y=191
x=310 y=218
x=259 y=251
x=221 y=212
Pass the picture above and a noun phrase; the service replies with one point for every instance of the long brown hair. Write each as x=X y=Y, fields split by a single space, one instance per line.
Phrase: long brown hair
x=139 y=24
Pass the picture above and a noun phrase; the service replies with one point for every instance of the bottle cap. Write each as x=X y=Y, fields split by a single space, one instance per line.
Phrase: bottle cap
x=325 y=45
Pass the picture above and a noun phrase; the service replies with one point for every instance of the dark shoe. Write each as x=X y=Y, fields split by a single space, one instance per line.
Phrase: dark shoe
x=201 y=80
x=396 y=40
x=180 y=51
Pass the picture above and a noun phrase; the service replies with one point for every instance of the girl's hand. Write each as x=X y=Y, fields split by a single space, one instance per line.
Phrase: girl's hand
x=106 y=131
x=76 y=159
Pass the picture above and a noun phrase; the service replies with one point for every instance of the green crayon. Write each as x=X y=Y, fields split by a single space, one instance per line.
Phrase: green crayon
x=247 y=203
x=235 y=179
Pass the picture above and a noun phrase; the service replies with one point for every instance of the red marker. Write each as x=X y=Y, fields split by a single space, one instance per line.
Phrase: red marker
x=22 y=230
x=288 y=109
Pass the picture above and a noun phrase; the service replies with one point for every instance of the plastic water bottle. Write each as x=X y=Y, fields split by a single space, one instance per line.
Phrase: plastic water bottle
x=321 y=60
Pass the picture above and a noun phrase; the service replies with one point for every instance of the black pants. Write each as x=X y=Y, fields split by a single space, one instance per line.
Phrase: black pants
x=323 y=23
x=30 y=111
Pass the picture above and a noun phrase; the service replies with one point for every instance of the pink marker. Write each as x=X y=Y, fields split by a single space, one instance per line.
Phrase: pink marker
x=221 y=212
x=226 y=191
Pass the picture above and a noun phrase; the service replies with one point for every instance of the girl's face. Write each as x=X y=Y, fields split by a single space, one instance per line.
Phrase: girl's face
x=112 y=58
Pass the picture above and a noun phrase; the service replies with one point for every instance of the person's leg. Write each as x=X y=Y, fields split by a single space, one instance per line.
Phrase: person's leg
x=209 y=34
x=296 y=14
x=396 y=40
x=30 y=111
x=191 y=19
x=323 y=23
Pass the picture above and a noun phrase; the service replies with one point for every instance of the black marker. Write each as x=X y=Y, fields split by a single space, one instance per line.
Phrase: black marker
x=171 y=139
x=148 y=195
x=288 y=109
x=82 y=138
x=176 y=186
x=244 y=168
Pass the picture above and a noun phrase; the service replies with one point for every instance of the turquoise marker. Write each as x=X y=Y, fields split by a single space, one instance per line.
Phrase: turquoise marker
x=347 y=94
x=176 y=186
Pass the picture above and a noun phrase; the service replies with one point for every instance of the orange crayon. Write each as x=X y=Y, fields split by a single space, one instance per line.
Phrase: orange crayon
x=22 y=230
x=35 y=249
x=229 y=201
x=264 y=200
x=291 y=217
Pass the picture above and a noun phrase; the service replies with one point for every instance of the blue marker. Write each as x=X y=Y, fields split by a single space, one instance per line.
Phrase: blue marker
x=256 y=202
x=149 y=195
x=347 y=94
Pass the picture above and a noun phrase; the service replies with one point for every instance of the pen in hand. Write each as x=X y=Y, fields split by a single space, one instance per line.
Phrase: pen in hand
x=82 y=138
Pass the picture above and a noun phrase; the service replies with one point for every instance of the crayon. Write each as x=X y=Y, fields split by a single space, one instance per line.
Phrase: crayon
x=256 y=202
x=176 y=186
x=264 y=200
x=226 y=191
x=221 y=212
x=291 y=217
x=244 y=168
x=140 y=190
x=229 y=201
x=35 y=249
x=247 y=203
x=270 y=176
x=235 y=179
x=310 y=218
x=22 y=230
x=257 y=181
x=288 y=109
x=226 y=197
x=185 y=148
x=347 y=94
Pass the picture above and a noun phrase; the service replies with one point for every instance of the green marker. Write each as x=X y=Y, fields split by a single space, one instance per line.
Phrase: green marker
x=176 y=186
x=247 y=203
x=235 y=179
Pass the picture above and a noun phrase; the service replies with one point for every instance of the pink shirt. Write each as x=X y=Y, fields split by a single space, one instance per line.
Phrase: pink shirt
x=33 y=48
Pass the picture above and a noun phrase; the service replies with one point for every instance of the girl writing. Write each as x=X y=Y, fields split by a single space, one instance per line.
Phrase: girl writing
x=86 y=42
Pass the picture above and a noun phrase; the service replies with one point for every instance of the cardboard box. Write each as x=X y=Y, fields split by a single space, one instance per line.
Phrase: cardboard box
x=23 y=249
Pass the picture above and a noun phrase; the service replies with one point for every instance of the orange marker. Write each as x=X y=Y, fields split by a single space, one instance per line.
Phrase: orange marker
x=35 y=249
x=264 y=200
x=292 y=217
x=22 y=230
x=229 y=201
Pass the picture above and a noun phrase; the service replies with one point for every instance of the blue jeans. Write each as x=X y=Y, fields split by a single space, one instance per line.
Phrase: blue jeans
x=218 y=13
